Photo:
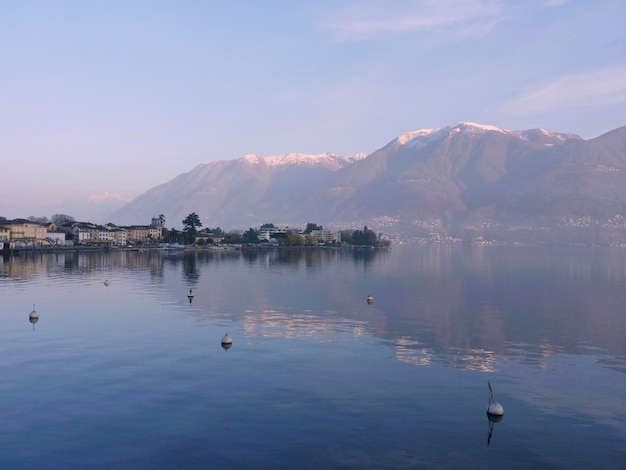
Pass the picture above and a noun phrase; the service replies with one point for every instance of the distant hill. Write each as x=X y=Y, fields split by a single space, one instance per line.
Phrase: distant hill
x=465 y=181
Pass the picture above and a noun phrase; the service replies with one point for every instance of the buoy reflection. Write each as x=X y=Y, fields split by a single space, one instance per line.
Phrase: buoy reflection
x=492 y=423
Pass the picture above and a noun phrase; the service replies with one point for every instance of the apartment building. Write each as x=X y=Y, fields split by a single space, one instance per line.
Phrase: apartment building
x=326 y=236
x=25 y=231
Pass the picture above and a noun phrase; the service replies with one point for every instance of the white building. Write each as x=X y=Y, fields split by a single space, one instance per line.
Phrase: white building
x=326 y=236
x=56 y=237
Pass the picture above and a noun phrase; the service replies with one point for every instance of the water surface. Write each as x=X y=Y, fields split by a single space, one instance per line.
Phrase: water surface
x=133 y=375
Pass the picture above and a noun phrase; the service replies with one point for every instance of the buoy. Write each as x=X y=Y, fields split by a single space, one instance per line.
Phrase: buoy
x=370 y=299
x=227 y=342
x=33 y=317
x=106 y=283
x=190 y=296
x=494 y=408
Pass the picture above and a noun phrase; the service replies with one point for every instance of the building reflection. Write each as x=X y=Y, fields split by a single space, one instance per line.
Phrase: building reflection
x=272 y=323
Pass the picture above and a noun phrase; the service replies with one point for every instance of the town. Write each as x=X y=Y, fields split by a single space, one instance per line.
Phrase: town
x=63 y=232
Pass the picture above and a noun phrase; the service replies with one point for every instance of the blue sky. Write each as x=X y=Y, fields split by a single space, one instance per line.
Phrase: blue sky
x=106 y=99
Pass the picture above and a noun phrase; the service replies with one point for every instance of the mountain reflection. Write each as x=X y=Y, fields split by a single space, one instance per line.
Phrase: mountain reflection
x=472 y=308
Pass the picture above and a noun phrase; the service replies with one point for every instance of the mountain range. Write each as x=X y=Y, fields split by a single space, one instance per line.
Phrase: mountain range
x=465 y=182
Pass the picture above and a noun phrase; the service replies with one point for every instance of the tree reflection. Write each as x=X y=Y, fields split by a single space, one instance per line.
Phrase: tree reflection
x=190 y=267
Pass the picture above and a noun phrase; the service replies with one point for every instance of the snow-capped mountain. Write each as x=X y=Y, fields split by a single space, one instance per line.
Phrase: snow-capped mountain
x=466 y=180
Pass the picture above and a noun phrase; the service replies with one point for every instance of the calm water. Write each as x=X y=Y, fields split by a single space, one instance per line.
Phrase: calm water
x=132 y=375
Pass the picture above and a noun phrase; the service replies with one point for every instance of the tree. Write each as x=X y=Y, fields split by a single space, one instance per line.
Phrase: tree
x=251 y=236
x=214 y=231
x=310 y=227
x=361 y=237
x=39 y=220
x=172 y=236
x=369 y=236
x=191 y=222
x=296 y=240
x=60 y=219
x=190 y=226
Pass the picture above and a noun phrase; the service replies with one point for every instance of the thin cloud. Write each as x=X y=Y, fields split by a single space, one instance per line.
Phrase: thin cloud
x=603 y=86
x=555 y=3
x=423 y=15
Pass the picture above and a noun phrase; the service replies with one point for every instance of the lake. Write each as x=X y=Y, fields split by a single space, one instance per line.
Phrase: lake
x=133 y=375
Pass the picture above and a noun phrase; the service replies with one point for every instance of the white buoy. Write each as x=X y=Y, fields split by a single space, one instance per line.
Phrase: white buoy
x=106 y=283
x=494 y=408
x=33 y=317
x=227 y=342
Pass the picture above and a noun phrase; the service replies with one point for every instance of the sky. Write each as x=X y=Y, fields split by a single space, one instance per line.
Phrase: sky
x=102 y=100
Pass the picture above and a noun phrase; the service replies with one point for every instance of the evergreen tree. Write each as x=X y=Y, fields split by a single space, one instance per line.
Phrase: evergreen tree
x=190 y=226
x=251 y=236
x=310 y=227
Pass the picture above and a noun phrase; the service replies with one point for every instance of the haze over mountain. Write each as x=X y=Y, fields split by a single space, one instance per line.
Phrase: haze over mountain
x=463 y=181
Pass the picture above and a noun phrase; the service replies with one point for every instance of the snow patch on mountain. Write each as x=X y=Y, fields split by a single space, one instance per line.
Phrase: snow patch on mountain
x=474 y=127
x=324 y=160
x=420 y=138
x=404 y=138
x=547 y=138
x=253 y=159
x=107 y=196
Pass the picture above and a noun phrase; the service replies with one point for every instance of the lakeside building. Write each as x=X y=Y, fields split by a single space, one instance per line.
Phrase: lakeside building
x=56 y=237
x=326 y=236
x=18 y=233
x=111 y=234
x=208 y=234
x=25 y=230
x=274 y=234
x=23 y=233
x=269 y=233
x=119 y=236
x=82 y=233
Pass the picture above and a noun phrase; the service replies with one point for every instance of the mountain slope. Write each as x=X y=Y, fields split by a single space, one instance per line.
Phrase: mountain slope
x=467 y=180
x=237 y=192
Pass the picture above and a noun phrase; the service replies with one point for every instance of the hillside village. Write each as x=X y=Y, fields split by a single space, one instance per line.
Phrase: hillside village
x=20 y=234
